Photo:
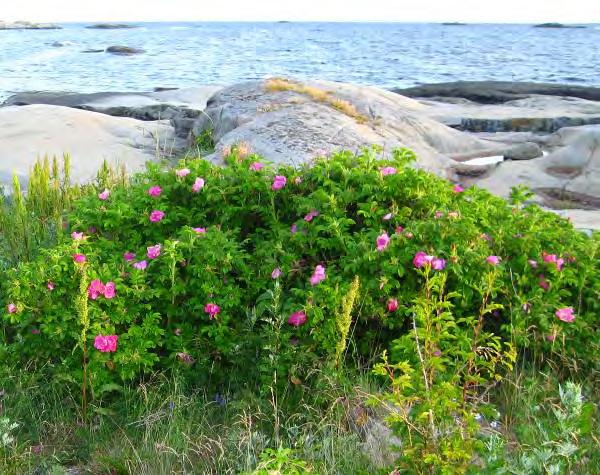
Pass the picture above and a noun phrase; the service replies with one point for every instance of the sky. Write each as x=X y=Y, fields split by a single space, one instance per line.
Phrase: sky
x=481 y=11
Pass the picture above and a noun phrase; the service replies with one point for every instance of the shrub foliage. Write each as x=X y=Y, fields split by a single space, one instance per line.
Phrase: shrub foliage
x=235 y=274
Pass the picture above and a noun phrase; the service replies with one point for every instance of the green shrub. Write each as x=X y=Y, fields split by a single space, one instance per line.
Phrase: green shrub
x=331 y=214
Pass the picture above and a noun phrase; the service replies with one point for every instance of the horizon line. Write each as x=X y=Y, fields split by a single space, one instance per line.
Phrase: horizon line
x=426 y=22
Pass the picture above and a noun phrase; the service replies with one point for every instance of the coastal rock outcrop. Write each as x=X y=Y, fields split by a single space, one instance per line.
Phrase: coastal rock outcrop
x=498 y=92
x=181 y=106
x=291 y=122
x=536 y=113
x=34 y=131
x=569 y=174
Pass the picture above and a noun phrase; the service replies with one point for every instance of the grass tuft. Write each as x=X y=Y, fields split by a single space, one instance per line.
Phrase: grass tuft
x=317 y=95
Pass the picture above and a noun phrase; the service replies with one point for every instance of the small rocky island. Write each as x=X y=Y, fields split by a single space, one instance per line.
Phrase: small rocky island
x=557 y=25
x=27 y=25
x=111 y=26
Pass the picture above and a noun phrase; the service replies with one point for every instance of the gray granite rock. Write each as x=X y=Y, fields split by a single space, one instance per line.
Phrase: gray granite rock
x=497 y=92
x=290 y=127
x=30 y=132
x=181 y=106
x=523 y=151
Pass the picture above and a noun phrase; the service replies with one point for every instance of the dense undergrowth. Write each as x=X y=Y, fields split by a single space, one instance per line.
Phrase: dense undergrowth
x=258 y=318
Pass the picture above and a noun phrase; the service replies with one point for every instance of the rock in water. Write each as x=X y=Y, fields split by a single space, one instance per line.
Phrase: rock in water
x=124 y=50
x=557 y=25
x=291 y=122
x=111 y=26
x=30 y=132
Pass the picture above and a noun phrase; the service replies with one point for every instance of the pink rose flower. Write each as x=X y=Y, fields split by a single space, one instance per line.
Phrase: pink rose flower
x=77 y=236
x=544 y=283
x=95 y=289
x=141 y=265
x=388 y=216
x=79 y=258
x=212 y=309
x=309 y=217
x=565 y=314
x=318 y=275
x=129 y=256
x=256 y=166
x=294 y=228
x=155 y=191
x=35 y=331
x=50 y=285
x=104 y=195
x=156 y=216
x=198 y=185
x=385 y=171
x=153 y=251
x=297 y=318
x=399 y=229
x=106 y=344
x=458 y=189
x=392 y=305
x=276 y=273
x=438 y=215
x=551 y=337
x=182 y=172
x=438 y=264
x=382 y=241
x=532 y=263
x=199 y=230
x=110 y=290
x=494 y=260
x=422 y=259
x=559 y=264
x=11 y=308
x=409 y=235
x=278 y=182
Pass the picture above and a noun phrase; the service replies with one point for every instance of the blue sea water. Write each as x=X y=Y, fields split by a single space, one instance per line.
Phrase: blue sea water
x=386 y=55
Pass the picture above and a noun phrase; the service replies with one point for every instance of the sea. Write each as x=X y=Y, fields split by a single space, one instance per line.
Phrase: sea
x=382 y=54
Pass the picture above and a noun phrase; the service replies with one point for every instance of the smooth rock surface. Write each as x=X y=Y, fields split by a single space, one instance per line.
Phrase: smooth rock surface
x=570 y=173
x=523 y=151
x=536 y=113
x=290 y=127
x=181 y=106
x=497 y=92
x=30 y=132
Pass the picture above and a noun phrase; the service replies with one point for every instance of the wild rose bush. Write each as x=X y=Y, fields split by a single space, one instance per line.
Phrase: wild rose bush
x=231 y=273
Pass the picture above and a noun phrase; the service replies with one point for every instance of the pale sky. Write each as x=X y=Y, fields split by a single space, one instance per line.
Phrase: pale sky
x=506 y=11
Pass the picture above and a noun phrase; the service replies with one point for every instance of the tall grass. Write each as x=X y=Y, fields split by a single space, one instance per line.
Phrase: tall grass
x=163 y=426
x=34 y=218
